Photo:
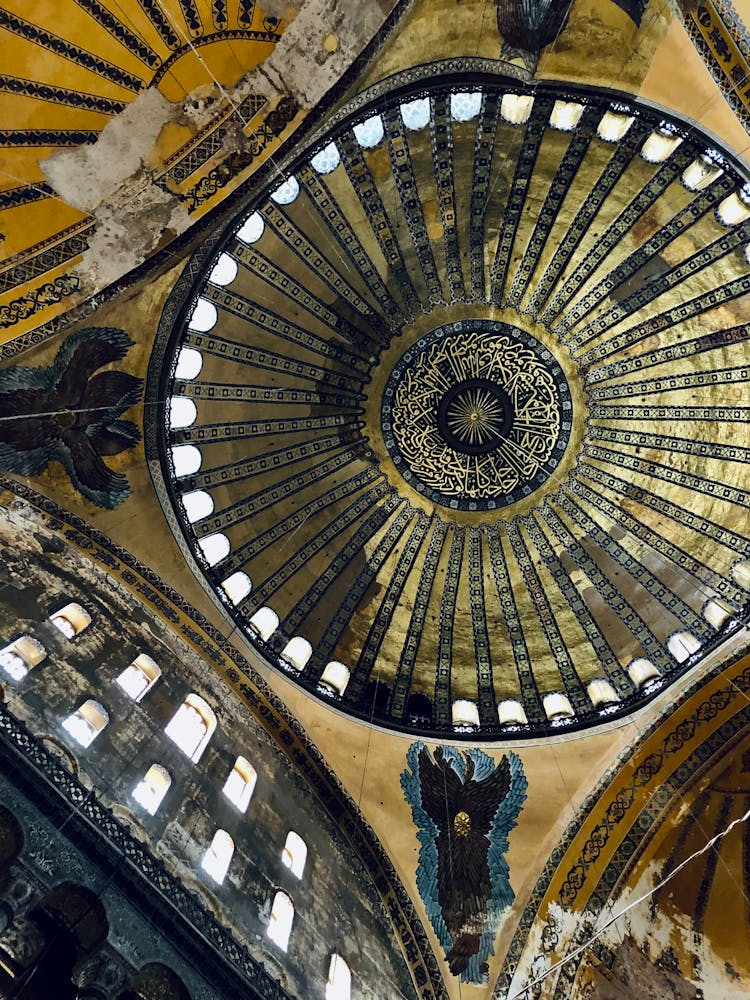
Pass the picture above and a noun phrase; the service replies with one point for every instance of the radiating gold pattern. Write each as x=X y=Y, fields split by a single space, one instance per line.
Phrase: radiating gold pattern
x=475 y=417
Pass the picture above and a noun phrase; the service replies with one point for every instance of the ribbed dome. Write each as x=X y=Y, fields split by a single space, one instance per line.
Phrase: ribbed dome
x=469 y=408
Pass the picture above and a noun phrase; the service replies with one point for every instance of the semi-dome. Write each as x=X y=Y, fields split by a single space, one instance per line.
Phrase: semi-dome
x=465 y=375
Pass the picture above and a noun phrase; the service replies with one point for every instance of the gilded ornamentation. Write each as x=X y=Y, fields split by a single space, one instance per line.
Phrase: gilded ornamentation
x=476 y=419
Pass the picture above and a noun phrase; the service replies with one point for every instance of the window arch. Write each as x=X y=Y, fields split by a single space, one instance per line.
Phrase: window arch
x=85 y=724
x=182 y=412
x=297 y=652
x=240 y=783
x=466 y=104
x=327 y=159
x=601 y=693
x=189 y=364
x=224 y=270
x=741 y=573
x=280 y=923
x=215 y=862
x=718 y=612
x=139 y=676
x=339 y=984
x=565 y=115
x=682 y=645
x=71 y=620
x=20 y=656
x=286 y=192
x=151 y=789
x=416 y=114
x=660 y=144
x=557 y=707
x=214 y=548
x=369 y=133
x=237 y=586
x=614 y=126
x=251 y=229
x=186 y=459
x=642 y=672
x=465 y=714
x=294 y=854
x=192 y=726
x=511 y=712
x=334 y=678
x=203 y=316
x=516 y=108
x=198 y=504
x=264 y=623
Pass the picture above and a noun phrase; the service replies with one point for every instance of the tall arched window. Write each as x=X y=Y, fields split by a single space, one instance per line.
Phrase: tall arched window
x=682 y=645
x=71 y=620
x=280 y=923
x=139 y=676
x=192 y=726
x=294 y=854
x=85 y=724
x=240 y=783
x=339 y=984
x=215 y=861
x=151 y=789
x=20 y=656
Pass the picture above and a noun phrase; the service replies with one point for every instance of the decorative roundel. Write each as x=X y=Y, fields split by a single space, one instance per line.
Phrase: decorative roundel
x=476 y=415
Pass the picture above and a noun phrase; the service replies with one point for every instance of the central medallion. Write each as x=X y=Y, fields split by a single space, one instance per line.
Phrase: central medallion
x=476 y=415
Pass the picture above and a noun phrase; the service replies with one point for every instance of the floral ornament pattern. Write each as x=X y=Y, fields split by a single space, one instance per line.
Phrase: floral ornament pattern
x=69 y=414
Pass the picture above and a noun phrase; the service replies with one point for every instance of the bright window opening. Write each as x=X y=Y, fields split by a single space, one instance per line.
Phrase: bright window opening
x=139 y=676
x=466 y=105
x=197 y=504
x=297 y=652
x=214 y=548
x=71 y=620
x=511 y=713
x=252 y=228
x=280 y=924
x=602 y=693
x=642 y=672
x=237 y=586
x=264 y=623
x=327 y=159
x=660 y=145
x=215 y=862
x=701 y=172
x=741 y=573
x=17 y=658
x=718 y=612
x=682 y=645
x=189 y=364
x=85 y=724
x=294 y=854
x=465 y=714
x=557 y=708
x=565 y=115
x=339 y=984
x=735 y=208
x=614 y=126
x=182 y=412
x=192 y=726
x=240 y=783
x=368 y=134
x=516 y=108
x=334 y=678
x=224 y=270
x=151 y=789
x=416 y=114
x=203 y=317
x=186 y=459
x=287 y=192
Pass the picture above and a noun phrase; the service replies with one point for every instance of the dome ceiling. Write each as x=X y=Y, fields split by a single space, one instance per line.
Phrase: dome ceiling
x=458 y=407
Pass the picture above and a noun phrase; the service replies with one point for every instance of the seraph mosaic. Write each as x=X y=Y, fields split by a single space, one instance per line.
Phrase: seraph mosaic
x=69 y=414
x=464 y=807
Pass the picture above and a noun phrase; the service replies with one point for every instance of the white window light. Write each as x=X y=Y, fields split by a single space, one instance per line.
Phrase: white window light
x=466 y=105
x=251 y=229
x=682 y=645
x=557 y=707
x=465 y=714
x=718 y=612
x=224 y=270
x=139 y=676
x=741 y=573
x=735 y=208
x=85 y=724
x=264 y=623
x=369 y=133
x=189 y=364
x=280 y=923
x=216 y=860
x=214 y=547
x=287 y=192
x=339 y=983
x=334 y=678
x=511 y=713
x=294 y=854
x=151 y=789
x=21 y=656
x=186 y=459
x=182 y=412
x=642 y=672
x=601 y=693
x=701 y=172
x=614 y=126
x=516 y=108
x=327 y=159
x=240 y=783
x=237 y=586
x=297 y=652
x=416 y=114
x=198 y=504
x=71 y=620
x=660 y=145
x=192 y=726
x=565 y=115
x=203 y=316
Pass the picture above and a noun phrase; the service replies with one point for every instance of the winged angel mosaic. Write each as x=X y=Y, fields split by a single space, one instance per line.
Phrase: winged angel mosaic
x=464 y=808
x=66 y=413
